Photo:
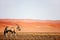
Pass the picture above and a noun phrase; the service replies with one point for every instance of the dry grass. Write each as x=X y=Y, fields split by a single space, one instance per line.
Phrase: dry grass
x=32 y=36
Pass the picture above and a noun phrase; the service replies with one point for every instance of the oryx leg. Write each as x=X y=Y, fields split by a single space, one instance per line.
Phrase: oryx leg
x=11 y=35
x=14 y=34
x=5 y=33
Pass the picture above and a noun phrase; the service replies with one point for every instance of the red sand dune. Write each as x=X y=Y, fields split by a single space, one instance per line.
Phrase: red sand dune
x=29 y=25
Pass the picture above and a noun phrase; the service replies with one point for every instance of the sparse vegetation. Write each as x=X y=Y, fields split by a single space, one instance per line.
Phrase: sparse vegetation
x=32 y=36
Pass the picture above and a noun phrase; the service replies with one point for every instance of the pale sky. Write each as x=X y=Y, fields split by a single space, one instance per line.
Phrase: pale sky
x=30 y=9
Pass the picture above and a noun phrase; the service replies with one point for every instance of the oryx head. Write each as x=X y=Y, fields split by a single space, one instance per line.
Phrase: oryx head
x=18 y=28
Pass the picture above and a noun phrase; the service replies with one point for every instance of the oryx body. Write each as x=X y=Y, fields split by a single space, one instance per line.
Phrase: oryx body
x=11 y=29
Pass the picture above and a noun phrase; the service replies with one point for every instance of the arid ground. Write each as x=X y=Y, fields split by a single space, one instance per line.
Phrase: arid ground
x=30 y=25
x=32 y=29
x=32 y=36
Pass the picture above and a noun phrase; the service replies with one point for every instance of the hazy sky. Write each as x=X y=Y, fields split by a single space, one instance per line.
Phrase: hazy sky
x=30 y=9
